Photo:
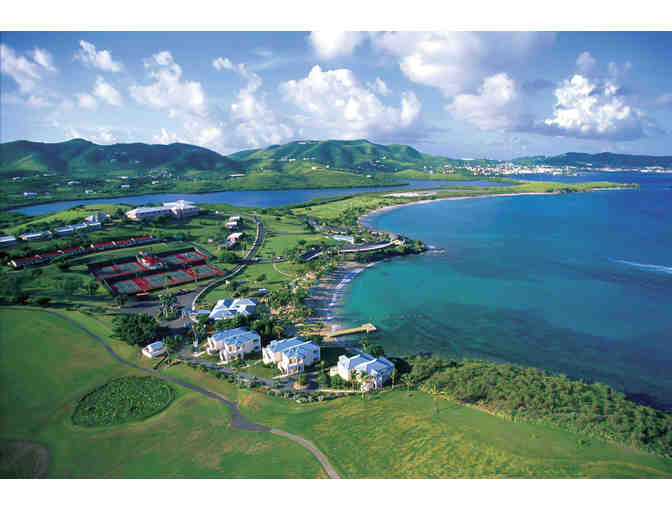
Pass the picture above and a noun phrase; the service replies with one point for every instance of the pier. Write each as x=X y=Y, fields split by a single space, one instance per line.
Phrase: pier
x=364 y=328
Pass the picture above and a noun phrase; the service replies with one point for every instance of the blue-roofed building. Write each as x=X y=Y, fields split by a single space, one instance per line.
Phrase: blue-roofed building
x=272 y=353
x=295 y=359
x=154 y=350
x=228 y=309
x=234 y=343
x=379 y=369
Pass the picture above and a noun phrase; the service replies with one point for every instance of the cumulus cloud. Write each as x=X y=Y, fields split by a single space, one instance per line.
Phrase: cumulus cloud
x=496 y=106
x=253 y=79
x=102 y=59
x=24 y=71
x=333 y=102
x=168 y=90
x=106 y=92
x=585 y=63
x=380 y=87
x=44 y=59
x=166 y=138
x=592 y=108
x=457 y=62
x=329 y=44
x=86 y=101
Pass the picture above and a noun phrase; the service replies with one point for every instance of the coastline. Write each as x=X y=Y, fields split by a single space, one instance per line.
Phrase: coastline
x=327 y=293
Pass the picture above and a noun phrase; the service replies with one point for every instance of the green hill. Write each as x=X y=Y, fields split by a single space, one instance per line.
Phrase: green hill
x=349 y=155
x=601 y=160
x=83 y=158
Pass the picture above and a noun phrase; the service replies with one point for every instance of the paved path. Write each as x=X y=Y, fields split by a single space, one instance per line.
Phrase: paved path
x=238 y=421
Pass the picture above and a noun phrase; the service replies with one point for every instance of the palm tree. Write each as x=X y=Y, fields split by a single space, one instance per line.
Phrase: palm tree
x=408 y=380
x=394 y=376
x=353 y=378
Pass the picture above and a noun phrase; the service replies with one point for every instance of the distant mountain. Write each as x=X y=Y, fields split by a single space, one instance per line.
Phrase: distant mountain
x=77 y=156
x=601 y=160
x=349 y=155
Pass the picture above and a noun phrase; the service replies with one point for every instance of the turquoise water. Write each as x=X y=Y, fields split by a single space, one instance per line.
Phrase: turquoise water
x=578 y=283
x=242 y=198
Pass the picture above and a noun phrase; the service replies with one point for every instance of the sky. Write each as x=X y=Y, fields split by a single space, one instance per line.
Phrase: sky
x=459 y=94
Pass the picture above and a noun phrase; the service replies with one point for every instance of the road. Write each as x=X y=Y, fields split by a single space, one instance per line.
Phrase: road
x=238 y=421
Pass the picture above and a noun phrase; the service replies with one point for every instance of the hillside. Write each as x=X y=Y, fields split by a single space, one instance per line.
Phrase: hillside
x=601 y=160
x=79 y=157
x=348 y=155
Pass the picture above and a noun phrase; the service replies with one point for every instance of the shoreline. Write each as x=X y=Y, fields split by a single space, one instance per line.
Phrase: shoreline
x=325 y=291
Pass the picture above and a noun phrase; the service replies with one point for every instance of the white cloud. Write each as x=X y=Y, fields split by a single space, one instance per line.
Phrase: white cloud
x=106 y=92
x=39 y=101
x=253 y=79
x=86 y=101
x=99 y=59
x=458 y=62
x=592 y=108
x=336 y=105
x=585 y=63
x=329 y=44
x=168 y=90
x=44 y=58
x=166 y=138
x=380 y=87
x=104 y=136
x=24 y=72
x=664 y=99
x=494 y=107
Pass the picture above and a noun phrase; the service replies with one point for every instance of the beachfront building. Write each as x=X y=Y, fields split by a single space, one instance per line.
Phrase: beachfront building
x=379 y=369
x=228 y=309
x=97 y=217
x=154 y=350
x=234 y=343
x=232 y=222
x=296 y=359
x=272 y=353
x=65 y=231
x=347 y=239
x=182 y=208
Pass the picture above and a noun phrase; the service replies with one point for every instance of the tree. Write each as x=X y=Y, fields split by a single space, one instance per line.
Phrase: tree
x=92 y=287
x=69 y=285
x=394 y=376
x=136 y=329
x=121 y=299
x=408 y=380
x=167 y=302
x=261 y=277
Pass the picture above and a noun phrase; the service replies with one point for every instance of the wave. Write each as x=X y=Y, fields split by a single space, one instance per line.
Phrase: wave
x=646 y=267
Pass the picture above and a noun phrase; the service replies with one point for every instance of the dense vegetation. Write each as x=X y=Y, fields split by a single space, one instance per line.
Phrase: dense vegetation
x=601 y=160
x=136 y=328
x=527 y=394
x=123 y=400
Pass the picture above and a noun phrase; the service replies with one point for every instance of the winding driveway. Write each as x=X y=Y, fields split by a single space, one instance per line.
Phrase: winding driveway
x=238 y=421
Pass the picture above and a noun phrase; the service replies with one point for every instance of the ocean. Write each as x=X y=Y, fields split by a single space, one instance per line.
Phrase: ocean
x=579 y=284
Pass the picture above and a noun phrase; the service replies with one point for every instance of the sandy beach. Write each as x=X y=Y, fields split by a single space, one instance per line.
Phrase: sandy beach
x=327 y=293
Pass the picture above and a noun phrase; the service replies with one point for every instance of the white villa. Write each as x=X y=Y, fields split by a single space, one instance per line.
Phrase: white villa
x=292 y=355
x=228 y=309
x=380 y=369
x=154 y=350
x=234 y=343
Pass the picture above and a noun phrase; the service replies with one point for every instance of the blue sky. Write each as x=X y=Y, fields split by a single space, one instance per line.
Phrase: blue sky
x=463 y=94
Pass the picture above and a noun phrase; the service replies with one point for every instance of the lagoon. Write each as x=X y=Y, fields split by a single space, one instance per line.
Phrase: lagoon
x=241 y=198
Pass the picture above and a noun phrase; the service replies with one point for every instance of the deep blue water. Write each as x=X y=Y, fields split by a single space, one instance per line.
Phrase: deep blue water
x=241 y=198
x=578 y=283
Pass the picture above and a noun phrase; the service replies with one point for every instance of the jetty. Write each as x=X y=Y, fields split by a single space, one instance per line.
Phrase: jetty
x=364 y=328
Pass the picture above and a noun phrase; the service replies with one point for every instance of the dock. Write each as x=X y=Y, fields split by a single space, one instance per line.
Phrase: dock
x=364 y=328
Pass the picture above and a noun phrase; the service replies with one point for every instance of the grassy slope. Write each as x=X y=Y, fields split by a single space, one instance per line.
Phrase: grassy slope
x=47 y=365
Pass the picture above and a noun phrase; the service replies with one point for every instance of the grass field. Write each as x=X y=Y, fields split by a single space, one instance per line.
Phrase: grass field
x=397 y=435
x=47 y=365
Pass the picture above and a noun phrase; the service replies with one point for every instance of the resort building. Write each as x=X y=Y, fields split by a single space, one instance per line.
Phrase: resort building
x=228 y=309
x=347 y=239
x=154 y=350
x=379 y=369
x=7 y=241
x=27 y=194
x=36 y=236
x=234 y=343
x=64 y=231
x=179 y=209
x=97 y=217
x=291 y=355
x=297 y=358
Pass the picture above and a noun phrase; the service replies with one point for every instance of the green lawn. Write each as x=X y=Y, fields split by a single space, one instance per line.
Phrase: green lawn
x=397 y=435
x=47 y=365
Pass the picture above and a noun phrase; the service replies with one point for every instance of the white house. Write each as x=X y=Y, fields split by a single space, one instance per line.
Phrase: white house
x=182 y=208
x=65 y=231
x=7 y=240
x=154 y=350
x=297 y=358
x=234 y=343
x=97 y=217
x=272 y=353
x=380 y=369
x=227 y=309
x=144 y=213
x=36 y=236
